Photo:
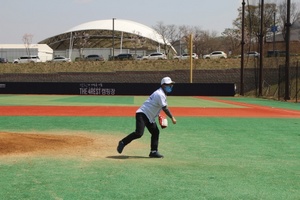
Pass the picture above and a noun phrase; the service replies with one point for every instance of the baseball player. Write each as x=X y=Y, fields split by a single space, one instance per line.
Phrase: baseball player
x=145 y=117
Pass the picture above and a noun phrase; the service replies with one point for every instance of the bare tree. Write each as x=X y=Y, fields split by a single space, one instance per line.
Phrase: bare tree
x=169 y=35
x=208 y=41
x=232 y=38
x=282 y=9
x=27 y=40
x=203 y=41
x=184 y=32
x=137 y=41
x=252 y=20
x=81 y=41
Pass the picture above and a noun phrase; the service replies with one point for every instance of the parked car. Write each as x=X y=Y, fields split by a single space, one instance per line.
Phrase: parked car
x=27 y=59
x=94 y=57
x=3 y=60
x=276 y=53
x=215 y=54
x=155 y=56
x=250 y=54
x=123 y=56
x=186 y=56
x=139 y=57
x=61 y=59
x=79 y=59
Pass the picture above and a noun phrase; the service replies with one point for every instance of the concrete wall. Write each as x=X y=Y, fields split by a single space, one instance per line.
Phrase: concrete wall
x=270 y=77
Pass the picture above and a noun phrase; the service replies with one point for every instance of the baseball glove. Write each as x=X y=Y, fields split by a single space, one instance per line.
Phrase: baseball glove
x=163 y=121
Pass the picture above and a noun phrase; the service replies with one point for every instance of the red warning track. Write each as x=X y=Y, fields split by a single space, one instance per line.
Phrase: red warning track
x=247 y=110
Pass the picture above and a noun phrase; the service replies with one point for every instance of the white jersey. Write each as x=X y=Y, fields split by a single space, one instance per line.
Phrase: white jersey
x=153 y=105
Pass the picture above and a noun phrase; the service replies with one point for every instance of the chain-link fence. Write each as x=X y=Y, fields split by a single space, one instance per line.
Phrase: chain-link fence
x=274 y=81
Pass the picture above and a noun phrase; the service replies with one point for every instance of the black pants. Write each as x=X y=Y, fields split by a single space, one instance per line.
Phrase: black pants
x=141 y=122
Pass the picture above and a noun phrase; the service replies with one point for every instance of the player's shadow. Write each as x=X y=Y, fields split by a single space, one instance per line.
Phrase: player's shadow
x=126 y=157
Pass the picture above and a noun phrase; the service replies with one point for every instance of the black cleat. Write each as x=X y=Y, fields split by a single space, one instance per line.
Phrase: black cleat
x=120 y=147
x=155 y=155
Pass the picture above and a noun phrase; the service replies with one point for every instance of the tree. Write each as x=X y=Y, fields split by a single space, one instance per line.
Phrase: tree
x=27 y=39
x=137 y=41
x=169 y=35
x=253 y=22
x=81 y=41
x=203 y=41
x=282 y=9
x=184 y=33
x=232 y=37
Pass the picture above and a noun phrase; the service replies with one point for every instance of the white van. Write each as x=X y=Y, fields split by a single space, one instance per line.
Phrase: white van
x=27 y=59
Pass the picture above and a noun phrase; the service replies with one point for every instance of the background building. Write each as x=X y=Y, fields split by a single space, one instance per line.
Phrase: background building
x=14 y=51
x=107 y=37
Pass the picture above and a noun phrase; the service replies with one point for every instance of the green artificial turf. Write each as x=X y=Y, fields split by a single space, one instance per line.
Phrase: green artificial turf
x=205 y=158
x=264 y=102
x=65 y=100
x=82 y=100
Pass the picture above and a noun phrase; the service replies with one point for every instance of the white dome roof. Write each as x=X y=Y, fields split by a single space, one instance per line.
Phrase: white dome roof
x=122 y=26
x=99 y=33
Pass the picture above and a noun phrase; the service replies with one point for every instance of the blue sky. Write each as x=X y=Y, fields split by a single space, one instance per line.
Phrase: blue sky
x=45 y=18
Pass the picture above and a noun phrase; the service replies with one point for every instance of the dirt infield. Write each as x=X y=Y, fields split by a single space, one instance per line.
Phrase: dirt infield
x=57 y=145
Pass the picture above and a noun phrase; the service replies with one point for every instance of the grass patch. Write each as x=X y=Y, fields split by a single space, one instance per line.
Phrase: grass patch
x=205 y=158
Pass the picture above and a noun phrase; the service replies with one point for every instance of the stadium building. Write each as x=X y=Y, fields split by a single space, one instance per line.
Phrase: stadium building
x=107 y=38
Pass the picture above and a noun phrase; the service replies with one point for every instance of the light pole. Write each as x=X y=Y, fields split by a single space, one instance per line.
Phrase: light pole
x=113 y=38
x=242 y=50
x=191 y=58
x=261 y=42
x=287 y=55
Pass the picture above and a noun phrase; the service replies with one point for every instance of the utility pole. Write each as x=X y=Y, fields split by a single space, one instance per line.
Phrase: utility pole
x=274 y=29
x=191 y=58
x=287 y=54
x=242 y=49
x=113 y=38
x=261 y=42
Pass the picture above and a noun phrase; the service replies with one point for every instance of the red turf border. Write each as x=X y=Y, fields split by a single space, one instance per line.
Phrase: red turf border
x=248 y=110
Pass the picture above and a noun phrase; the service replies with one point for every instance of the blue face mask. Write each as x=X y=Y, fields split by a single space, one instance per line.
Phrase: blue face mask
x=168 y=88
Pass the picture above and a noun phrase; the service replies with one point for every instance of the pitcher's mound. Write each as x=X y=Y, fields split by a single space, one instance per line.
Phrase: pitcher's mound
x=84 y=145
